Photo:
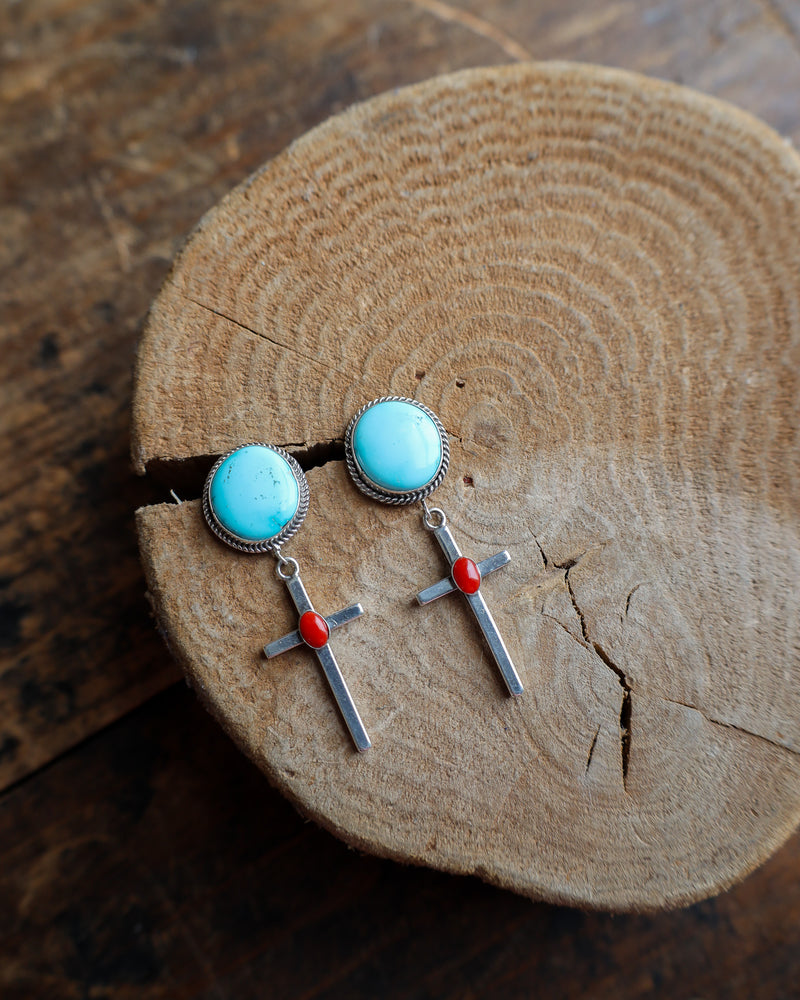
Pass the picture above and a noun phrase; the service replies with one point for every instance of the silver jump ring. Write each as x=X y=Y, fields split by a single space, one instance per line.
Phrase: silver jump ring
x=428 y=519
x=283 y=562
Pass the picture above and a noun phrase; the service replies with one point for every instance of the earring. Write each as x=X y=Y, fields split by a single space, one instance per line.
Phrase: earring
x=255 y=498
x=397 y=452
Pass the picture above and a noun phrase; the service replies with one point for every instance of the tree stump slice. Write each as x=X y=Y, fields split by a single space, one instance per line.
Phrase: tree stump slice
x=592 y=278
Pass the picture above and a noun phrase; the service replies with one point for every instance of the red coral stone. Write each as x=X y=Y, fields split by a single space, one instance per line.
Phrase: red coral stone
x=314 y=629
x=466 y=576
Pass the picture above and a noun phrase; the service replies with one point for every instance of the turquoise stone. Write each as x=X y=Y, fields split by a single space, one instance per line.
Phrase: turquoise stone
x=397 y=446
x=254 y=493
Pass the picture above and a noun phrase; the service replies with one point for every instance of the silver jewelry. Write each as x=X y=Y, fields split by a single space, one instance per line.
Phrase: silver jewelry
x=254 y=499
x=397 y=452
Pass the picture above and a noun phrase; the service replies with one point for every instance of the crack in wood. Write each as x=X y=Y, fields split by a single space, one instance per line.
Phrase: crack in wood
x=186 y=476
x=628 y=599
x=732 y=725
x=591 y=749
x=258 y=333
x=541 y=551
x=315 y=456
x=626 y=708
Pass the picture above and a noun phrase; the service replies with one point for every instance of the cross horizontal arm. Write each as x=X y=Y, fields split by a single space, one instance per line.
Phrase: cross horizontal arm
x=294 y=639
x=497 y=561
x=344 y=616
x=446 y=586
x=437 y=590
x=283 y=645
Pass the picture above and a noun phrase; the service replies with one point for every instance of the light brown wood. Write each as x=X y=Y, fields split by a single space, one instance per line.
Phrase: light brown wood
x=592 y=278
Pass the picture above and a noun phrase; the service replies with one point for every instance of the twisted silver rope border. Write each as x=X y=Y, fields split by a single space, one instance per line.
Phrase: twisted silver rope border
x=273 y=544
x=370 y=489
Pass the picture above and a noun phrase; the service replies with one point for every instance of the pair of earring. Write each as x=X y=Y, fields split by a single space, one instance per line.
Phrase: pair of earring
x=256 y=497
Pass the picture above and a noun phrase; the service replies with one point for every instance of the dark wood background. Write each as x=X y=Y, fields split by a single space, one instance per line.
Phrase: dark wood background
x=140 y=854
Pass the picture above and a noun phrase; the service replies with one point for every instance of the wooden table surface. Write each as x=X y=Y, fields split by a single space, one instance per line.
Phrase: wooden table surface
x=140 y=854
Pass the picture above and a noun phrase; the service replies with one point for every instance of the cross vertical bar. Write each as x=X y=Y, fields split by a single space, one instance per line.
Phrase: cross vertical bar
x=448 y=544
x=299 y=593
x=495 y=642
x=343 y=698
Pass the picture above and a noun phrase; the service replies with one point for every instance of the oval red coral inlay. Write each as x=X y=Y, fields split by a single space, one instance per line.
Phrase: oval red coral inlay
x=314 y=629
x=466 y=576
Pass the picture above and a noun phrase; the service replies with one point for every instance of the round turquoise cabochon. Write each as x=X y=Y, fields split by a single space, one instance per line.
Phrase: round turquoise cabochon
x=254 y=493
x=397 y=446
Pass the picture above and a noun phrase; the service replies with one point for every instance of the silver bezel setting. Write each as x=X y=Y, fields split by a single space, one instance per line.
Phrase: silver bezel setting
x=274 y=542
x=371 y=489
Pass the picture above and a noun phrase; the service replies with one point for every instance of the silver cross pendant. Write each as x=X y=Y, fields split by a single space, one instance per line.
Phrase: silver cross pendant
x=466 y=576
x=313 y=631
